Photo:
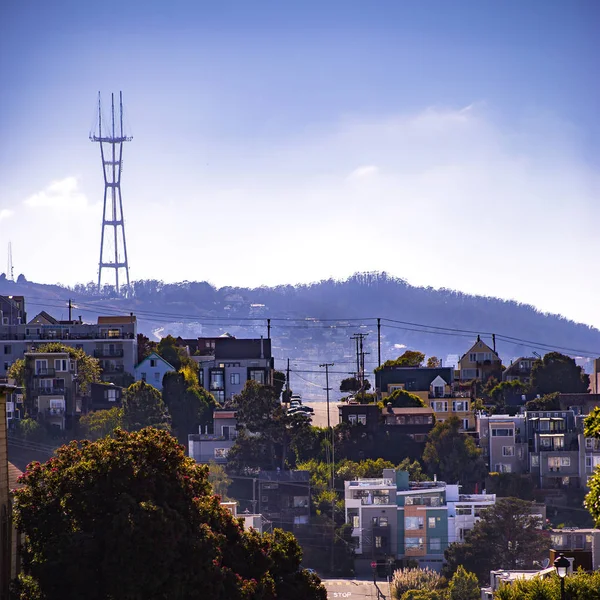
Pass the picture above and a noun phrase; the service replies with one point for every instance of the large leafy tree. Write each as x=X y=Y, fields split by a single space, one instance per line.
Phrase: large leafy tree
x=175 y=355
x=143 y=407
x=453 y=456
x=592 y=500
x=558 y=373
x=132 y=518
x=545 y=402
x=189 y=404
x=145 y=347
x=410 y=358
x=404 y=399
x=101 y=423
x=506 y=537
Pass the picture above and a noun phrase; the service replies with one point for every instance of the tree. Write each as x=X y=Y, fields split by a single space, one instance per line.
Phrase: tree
x=132 y=518
x=558 y=373
x=278 y=382
x=188 y=404
x=592 y=500
x=453 y=456
x=404 y=399
x=506 y=537
x=545 y=402
x=506 y=391
x=407 y=579
x=410 y=358
x=510 y=485
x=101 y=423
x=88 y=367
x=218 y=479
x=352 y=384
x=464 y=585
x=143 y=407
x=433 y=362
x=175 y=355
x=16 y=371
x=578 y=586
x=145 y=347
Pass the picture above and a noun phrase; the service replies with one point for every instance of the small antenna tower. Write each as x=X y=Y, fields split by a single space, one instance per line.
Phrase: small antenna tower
x=10 y=271
x=111 y=152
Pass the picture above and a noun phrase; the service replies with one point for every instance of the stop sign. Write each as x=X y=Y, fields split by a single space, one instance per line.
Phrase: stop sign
x=373 y=565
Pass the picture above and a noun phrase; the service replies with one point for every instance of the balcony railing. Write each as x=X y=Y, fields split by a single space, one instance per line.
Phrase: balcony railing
x=215 y=437
x=109 y=353
x=51 y=391
x=55 y=412
x=45 y=372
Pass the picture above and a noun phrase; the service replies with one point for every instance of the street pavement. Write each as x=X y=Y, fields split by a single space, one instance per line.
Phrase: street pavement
x=353 y=589
x=319 y=418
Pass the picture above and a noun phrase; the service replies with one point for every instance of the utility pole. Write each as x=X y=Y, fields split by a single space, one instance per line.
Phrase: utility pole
x=378 y=342
x=70 y=309
x=360 y=358
x=287 y=382
x=329 y=428
x=268 y=329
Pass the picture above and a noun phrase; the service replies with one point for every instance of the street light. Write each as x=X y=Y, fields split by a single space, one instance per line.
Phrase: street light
x=561 y=564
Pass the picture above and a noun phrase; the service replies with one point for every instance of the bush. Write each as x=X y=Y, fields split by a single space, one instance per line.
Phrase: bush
x=406 y=580
x=464 y=585
x=423 y=595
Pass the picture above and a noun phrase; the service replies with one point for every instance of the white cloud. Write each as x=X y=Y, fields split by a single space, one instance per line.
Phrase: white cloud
x=5 y=213
x=364 y=172
x=59 y=194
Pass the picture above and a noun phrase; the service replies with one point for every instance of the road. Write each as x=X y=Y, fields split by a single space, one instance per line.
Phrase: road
x=353 y=589
x=319 y=418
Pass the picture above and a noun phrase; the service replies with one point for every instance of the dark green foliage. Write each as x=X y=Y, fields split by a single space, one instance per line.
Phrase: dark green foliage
x=404 y=399
x=506 y=537
x=464 y=586
x=579 y=586
x=546 y=402
x=278 y=382
x=132 y=518
x=510 y=485
x=175 y=355
x=592 y=500
x=145 y=347
x=507 y=392
x=143 y=407
x=352 y=384
x=410 y=358
x=558 y=373
x=453 y=456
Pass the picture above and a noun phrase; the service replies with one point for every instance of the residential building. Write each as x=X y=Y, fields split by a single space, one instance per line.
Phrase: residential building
x=454 y=406
x=112 y=340
x=52 y=393
x=394 y=517
x=104 y=396
x=250 y=520
x=504 y=442
x=479 y=363
x=501 y=577
x=12 y=310
x=589 y=455
x=284 y=498
x=152 y=370
x=595 y=377
x=416 y=422
x=14 y=407
x=519 y=370
x=234 y=361
x=205 y=447
x=580 y=404
x=582 y=545
x=368 y=415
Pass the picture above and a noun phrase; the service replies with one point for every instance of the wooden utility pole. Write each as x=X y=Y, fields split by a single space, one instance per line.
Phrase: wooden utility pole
x=330 y=429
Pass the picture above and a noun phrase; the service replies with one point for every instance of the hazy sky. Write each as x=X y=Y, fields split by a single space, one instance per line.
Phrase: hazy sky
x=452 y=143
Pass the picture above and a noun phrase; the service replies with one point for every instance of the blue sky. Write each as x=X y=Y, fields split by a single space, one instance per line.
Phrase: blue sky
x=453 y=144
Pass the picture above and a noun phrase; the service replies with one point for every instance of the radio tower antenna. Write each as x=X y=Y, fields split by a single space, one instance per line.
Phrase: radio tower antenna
x=10 y=271
x=111 y=152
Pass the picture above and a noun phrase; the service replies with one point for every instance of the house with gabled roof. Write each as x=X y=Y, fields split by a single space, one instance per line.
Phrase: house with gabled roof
x=479 y=363
x=152 y=370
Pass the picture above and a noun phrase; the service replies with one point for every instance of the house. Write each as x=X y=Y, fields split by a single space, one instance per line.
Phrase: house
x=12 y=310
x=416 y=422
x=425 y=382
x=581 y=404
x=284 y=498
x=233 y=362
x=52 y=392
x=581 y=545
x=504 y=442
x=112 y=340
x=360 y=414
x=104 y=396
x=595 y=377
x=519 y=370
x=14 y=407
x=416 y=521
x=152 y=370
x=500 y=578
x=205 y=447
x=479 y=363
x=251 y=521
x=589 y=455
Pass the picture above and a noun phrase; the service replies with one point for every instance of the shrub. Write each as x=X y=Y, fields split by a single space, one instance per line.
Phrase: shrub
x=405 y=580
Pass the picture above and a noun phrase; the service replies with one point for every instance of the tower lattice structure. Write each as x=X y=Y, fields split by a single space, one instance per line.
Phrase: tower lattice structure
x=113 y=247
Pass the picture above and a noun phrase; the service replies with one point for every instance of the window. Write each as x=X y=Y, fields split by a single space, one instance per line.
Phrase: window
x=431 y=522
x=234 y=378
x=473 y=357
x=301 y=520
x=201 y=377
x=508 y=450
x=143 y=376
x=460 y=405
x=110 y=395
x=438 y=391
x=383 y=522
x=464 y=510
x=439 y=406
x=362 y=419
x=41 y=367
x=157 y=376
x=6 y=365
x=435 y=543
x=217 y=380
x=503 y=432
x=462 y=533
x=378 y=541
x=355 y=521
x=352 y=419
x=415 y=543
x=559 y=461
x=535 y=460
x=502 y=468
x=153 y=362
x=7 y=349
x=257 y=375
x=465 y=423
x=413 y=522
x=221 y=452
x=114 y=333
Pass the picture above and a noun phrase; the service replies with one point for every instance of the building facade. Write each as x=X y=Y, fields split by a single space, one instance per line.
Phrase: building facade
x=582 y=545
x=479 y=363
x=284 y=498
x=205 y=446
x=152 y=370
x=519 y=370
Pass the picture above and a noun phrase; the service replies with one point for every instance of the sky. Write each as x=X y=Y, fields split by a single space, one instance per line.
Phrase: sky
x=453 y=144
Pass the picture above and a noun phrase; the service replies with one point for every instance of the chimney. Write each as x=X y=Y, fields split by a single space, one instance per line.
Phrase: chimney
x=389 y=407
x=262 y=347
x=435 y=477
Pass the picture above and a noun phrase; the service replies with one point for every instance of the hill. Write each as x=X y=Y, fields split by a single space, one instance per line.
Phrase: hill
x=313 y=323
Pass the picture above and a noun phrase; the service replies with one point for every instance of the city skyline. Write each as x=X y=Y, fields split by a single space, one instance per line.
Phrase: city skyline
x=450 y=145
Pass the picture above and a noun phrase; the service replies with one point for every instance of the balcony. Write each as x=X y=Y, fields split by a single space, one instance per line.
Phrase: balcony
x=55 y=412
x=108 y=353
x=50 y=391
x=215 y=437
x=44 y=372
x=113 y=369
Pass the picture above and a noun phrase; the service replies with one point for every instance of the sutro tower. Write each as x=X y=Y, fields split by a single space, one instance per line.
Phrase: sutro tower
x=113 y=248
